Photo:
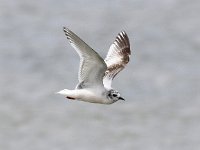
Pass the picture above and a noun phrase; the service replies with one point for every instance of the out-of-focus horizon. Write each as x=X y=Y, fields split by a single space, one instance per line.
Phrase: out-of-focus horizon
x=161 y=83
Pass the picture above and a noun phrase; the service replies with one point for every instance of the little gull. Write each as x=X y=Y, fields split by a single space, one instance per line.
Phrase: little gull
x=95 y=74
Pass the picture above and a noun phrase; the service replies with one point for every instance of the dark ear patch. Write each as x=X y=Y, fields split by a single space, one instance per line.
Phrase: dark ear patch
x=115 y=95
x=109 y=94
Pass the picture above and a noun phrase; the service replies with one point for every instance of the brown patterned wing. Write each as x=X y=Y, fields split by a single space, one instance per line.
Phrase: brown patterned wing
x=117 y=58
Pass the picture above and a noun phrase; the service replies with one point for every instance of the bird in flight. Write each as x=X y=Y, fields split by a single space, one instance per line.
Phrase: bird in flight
x=95 y=73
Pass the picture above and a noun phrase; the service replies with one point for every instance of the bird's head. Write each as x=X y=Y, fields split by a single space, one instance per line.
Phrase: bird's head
x=114 y=96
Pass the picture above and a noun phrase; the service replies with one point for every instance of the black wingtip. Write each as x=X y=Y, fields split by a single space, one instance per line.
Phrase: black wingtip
x=65 y=29
x=122 y=38
x=123 y=32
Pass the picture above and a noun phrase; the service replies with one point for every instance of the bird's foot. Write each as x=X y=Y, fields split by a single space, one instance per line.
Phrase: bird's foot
x=70 y=98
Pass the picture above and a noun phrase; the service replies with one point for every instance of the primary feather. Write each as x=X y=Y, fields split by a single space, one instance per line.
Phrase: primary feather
x=117 y=58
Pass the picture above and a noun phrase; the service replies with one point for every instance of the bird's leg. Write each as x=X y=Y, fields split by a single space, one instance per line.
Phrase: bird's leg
x=70 y=98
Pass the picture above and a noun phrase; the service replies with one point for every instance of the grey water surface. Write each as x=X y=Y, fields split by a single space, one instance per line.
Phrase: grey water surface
x=161 y=84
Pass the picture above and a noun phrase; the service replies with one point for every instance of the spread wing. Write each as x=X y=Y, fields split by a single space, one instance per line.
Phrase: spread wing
x=92 y=66
x=117 y=58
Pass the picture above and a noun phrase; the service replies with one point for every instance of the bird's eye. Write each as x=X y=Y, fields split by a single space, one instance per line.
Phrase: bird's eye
x=114 y=95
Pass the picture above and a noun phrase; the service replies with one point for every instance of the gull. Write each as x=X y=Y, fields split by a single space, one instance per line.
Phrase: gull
x=95 y=73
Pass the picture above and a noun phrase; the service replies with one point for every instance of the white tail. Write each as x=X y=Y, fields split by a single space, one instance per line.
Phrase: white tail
x=64 y=92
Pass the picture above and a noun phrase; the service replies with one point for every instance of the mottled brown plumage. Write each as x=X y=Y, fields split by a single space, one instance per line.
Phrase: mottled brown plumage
x=117 y=57
x=95 y=74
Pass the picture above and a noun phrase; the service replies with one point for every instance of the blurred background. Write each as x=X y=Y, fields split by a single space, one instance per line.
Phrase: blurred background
x=161 y=84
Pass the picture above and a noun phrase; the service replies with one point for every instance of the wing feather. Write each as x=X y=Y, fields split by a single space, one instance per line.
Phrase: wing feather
x=92 y=66
x=117 y=58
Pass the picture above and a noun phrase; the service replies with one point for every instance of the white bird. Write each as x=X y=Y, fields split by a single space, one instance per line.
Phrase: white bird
x=95 y=74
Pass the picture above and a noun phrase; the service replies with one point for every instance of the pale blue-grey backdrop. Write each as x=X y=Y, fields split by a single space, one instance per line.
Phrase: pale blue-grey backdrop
x=161 y=84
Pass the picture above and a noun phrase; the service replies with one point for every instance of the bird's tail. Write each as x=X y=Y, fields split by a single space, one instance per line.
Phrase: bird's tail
x=64 y=92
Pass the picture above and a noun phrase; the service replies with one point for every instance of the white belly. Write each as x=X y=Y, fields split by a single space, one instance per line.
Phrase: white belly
x=86 y=95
